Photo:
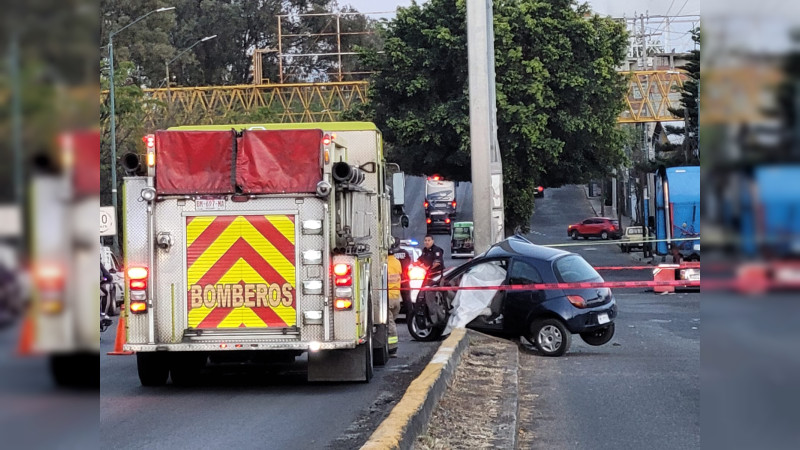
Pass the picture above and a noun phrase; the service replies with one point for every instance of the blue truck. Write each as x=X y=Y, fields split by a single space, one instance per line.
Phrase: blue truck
x=770 y=212
x=677 y=210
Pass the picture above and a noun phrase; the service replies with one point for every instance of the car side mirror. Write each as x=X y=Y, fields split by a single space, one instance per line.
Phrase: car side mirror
x=404 y=221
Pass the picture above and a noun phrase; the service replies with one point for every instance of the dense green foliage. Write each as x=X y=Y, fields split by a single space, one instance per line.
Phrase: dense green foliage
x=689 y=110
x=558 y=94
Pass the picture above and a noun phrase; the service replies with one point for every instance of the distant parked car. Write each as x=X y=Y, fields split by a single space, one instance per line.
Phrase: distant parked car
x=602 y=227
x=632 y=238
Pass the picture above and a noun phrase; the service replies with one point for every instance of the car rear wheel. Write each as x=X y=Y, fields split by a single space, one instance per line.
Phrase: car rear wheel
x=574 y=234
x=604 y=235
x=599 y=337
x=550 y=337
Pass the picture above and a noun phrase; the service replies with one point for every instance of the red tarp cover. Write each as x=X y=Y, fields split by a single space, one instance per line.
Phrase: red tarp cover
x=279 y=161
x=194 y=162
x=85 y=147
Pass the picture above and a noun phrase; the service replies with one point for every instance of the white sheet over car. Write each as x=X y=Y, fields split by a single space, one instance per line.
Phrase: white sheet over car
x=469 y=304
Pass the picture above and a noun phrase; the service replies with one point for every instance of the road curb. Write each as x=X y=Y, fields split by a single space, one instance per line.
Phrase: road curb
x=409 y=418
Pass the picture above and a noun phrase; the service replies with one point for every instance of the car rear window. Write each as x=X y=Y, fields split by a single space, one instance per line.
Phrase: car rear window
x=615 y=222
x=573 y=269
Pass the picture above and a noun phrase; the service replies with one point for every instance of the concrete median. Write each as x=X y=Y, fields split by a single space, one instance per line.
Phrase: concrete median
x=410 y=416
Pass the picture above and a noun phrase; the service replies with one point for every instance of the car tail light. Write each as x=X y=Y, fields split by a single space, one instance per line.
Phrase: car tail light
x=577 y=301
x=428 y=220
x=447 y=220
x=540 y=189
x=416 y=272
x=426 y=204
x=454 y=203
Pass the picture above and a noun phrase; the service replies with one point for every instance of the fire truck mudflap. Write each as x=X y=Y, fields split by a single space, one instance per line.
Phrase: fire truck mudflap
x=231 y=245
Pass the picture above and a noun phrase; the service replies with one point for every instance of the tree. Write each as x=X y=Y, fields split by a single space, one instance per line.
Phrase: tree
x=689 y=110
x=558 y=94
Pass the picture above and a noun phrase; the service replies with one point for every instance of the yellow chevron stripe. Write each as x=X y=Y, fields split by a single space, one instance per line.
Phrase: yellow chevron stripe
x=196 y=315
x=196 y=227
x=284 y=225
x=250 y=319
x=288 y=315
x=241 y=271
x=241 y=228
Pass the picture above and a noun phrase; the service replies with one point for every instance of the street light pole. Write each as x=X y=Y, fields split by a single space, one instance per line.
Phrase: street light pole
x=166 y=64
x=114 y=112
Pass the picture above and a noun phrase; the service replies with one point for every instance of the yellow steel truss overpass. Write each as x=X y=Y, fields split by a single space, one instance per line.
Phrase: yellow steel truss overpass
x=650 y=93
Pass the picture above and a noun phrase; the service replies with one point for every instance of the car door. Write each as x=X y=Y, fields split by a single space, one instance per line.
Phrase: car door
x=520 y=304
x=493 y=322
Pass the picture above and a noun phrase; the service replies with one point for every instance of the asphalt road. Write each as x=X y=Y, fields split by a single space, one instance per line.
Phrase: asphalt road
x=641 y=390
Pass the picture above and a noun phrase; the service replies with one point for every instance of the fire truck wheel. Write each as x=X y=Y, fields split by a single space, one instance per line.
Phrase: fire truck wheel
x=381 y=355
x=368 y=348
x=153 y=368
x=185 y=367
x=75 y=370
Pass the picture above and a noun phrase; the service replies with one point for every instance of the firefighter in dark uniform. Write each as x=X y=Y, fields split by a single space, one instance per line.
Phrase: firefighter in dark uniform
x=432 y=257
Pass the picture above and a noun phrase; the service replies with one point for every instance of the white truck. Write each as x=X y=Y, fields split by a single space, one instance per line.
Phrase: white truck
x=256 y=241
x=440 y=204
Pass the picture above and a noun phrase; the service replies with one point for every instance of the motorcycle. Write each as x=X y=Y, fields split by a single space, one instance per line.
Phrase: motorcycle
x=105 y=298
x=429 y=309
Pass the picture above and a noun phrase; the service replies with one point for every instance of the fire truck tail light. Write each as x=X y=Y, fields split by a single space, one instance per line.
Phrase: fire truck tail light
x=49 y=277
x=345 y=280
x=137 y=278
x=326 y=140
x=138 y=306
x=447 y=220
x=428 y=220
x=151 y=159
x=341 y=269
x=343 y=303
x=426 y=204
x=454 y=203
x=344 y=292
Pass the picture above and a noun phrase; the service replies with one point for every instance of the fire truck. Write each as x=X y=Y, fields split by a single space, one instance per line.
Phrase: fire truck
x=260 y=241
x=62 y=319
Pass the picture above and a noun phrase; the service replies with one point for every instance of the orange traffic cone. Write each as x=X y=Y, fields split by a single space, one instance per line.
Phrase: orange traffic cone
x=26 y=336
x=119 y=341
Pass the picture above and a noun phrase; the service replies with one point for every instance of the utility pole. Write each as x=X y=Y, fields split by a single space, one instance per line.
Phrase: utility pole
x=487 y=185
x=16 y=130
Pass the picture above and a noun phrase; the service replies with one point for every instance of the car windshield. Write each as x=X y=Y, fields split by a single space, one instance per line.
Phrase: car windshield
x=573 y=268
x=440 y=195
x=461 y=233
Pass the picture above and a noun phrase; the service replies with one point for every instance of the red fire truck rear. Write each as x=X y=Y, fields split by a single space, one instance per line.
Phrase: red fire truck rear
x=256 y=241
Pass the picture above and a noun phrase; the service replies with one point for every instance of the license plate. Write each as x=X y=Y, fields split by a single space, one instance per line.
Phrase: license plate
x=209 y=204
x=602 y=318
